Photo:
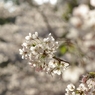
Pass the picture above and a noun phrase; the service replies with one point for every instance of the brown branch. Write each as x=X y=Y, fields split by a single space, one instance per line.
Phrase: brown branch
x=60 y=59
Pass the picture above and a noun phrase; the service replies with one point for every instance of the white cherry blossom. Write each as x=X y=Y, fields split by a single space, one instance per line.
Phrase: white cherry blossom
x=41 y=52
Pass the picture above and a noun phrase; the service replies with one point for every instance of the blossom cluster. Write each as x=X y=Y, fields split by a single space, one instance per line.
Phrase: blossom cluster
x=86 y=87
x=82 y=31
x=81 y=24
x=41 y=54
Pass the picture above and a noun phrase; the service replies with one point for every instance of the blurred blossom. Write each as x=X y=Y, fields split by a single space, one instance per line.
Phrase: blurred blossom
x=10 y=6
x=73 y=33
x=82 y=21
x=72 y=74
x=81 y=29
x=76 y=21
x=40 y=2
x=92 y=2
x=53 y=1
x=81 y=11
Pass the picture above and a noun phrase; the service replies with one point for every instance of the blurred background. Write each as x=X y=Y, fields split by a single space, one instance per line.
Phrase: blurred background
x=71 y=22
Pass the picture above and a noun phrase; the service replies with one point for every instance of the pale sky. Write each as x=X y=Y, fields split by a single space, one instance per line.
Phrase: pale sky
x=45 y=1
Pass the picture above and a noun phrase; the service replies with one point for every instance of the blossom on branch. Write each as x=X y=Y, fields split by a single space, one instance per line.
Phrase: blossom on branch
x=41 y=54
x=86 y=87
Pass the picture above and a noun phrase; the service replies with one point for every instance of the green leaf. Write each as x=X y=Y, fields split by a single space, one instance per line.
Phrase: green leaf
x=91 y=74
x=63 y=49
